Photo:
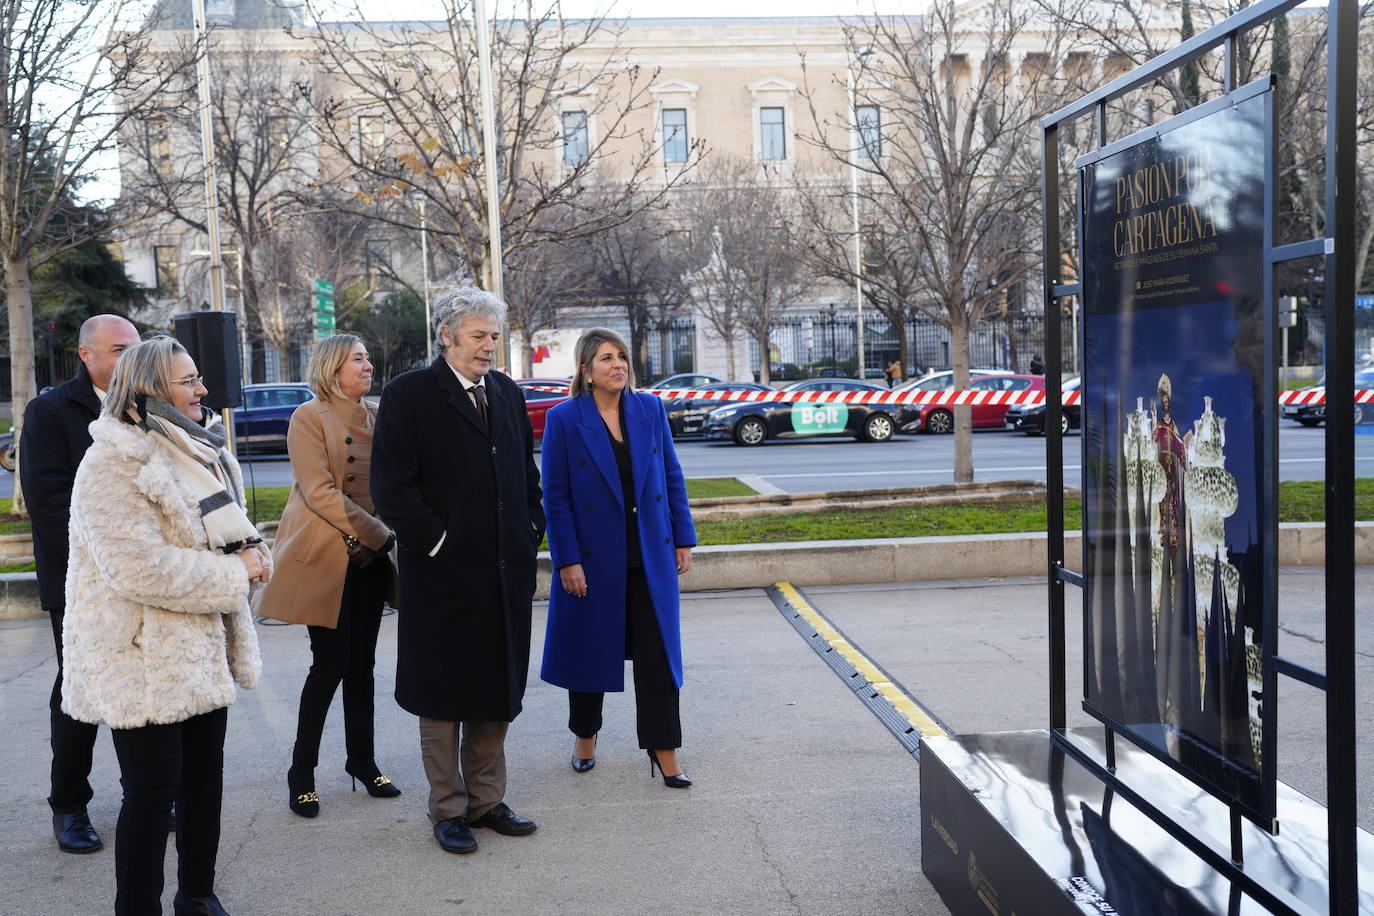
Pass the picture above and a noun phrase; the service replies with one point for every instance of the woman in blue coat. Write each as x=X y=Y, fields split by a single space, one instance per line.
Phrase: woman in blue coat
x=620 y=534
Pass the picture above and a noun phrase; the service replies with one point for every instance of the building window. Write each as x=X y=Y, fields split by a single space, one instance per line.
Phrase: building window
x=371 y=137
x=772 y=134
x=575 y=147
x=159 y=146
x=165 y=271
x=674 y=135
x=869 y=123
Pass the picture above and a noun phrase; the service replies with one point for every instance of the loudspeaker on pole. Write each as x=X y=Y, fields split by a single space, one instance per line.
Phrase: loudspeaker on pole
x=212 y=339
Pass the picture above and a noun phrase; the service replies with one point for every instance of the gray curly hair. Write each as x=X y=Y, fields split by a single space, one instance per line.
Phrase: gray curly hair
x=459 y=304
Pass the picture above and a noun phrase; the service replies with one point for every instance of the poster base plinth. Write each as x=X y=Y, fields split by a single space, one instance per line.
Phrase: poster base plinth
x=1012 y=823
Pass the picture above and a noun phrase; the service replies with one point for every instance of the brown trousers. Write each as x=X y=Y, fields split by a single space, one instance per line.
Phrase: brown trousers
x=465 y=763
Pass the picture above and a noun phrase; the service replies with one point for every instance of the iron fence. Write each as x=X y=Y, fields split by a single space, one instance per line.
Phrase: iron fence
x=803 y=346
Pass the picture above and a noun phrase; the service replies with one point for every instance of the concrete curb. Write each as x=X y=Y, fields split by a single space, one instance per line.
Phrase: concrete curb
x=856 y=562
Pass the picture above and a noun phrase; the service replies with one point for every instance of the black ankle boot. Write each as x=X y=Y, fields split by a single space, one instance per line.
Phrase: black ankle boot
x=302 y=798
x=208 y=905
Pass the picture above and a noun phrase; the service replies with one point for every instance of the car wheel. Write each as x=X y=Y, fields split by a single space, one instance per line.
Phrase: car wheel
x=940 y=421
x=750 y=431
x=7 y=457
x=878 y=428
x=1063 y=424
x=1359 y=414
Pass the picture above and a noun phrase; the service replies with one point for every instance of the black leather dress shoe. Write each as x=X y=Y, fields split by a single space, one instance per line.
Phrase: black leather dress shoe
x=197 y=906
x=75 y=834
x=455 y=836
x=503 y=820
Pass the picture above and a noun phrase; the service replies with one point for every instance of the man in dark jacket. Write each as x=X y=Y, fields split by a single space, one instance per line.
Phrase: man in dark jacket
x=52 y=441
x=453 y=474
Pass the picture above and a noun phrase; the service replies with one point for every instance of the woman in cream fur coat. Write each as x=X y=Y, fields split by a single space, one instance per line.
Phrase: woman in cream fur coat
x=158 y=627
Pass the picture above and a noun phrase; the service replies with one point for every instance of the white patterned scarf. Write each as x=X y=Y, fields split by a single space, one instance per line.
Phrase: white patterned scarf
x=197 y=450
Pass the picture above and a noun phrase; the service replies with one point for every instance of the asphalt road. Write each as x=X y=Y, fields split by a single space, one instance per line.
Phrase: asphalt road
x=809 y=465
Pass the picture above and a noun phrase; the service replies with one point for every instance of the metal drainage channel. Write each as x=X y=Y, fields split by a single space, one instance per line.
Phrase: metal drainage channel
x=908 y=719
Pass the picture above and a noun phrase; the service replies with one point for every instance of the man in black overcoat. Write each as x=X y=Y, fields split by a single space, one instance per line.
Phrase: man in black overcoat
x=453 y=474
x=52 y=442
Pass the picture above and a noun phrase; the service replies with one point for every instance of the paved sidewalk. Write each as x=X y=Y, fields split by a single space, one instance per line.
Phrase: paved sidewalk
x=803 y=802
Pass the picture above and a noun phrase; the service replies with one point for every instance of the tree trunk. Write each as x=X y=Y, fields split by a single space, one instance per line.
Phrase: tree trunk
x=963 y=416
x=19 y=293
x=527 y=356
x=763 y=354
x=903 y=348
x=730 y=356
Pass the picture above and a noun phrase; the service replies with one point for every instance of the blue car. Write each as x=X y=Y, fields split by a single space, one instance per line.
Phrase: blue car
x=260 y=424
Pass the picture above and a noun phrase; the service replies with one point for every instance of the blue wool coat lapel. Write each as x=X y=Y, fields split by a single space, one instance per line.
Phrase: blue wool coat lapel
x=640 y=425
x=598 y=441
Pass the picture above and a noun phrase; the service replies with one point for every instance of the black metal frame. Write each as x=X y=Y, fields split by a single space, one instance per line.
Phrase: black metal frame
x=1338 y=248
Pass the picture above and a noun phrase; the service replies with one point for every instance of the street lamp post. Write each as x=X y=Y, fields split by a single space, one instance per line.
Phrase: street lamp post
x=424 y=267
x=851 y=84
x=834 y=360
x=490 y=161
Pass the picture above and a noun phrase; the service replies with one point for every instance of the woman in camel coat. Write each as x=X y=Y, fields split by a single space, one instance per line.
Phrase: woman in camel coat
x=334 y=570
x=157 y=628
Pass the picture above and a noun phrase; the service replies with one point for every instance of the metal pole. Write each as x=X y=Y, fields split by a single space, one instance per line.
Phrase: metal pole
x=1054 y=443
x=1343 y=25
x=490 y=162
x=207 y=152
x=854 y=197
x=1283 y=375
x=424 y=267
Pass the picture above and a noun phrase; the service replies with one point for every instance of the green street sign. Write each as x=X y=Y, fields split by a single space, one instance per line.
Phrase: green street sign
x=324 y=288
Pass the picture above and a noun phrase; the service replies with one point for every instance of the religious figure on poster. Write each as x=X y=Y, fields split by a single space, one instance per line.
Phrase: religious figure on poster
x=1178 y=495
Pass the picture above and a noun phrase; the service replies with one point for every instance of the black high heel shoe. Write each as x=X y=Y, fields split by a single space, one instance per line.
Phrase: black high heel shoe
x=582 y=765
x=680 y=781
x=302 y=798
x=377 y=785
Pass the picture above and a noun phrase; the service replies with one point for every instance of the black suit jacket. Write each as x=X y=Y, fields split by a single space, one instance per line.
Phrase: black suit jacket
x=463 y=638
x=52 y=442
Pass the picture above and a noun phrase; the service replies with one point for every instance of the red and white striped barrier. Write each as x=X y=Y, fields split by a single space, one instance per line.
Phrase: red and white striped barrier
x=950 y=397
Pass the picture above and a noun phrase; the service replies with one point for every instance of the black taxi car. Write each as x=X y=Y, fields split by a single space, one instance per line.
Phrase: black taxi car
x=687 y=416
x=1315 y=414
x=755 y=422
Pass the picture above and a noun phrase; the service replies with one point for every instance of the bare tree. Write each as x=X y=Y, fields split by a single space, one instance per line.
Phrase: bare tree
x=541 y=280
x=640 y=268
x=399 y=107
x=950 y=166
x=71 y=75
x=893 y=282
x=266 y=167
x=750 y=265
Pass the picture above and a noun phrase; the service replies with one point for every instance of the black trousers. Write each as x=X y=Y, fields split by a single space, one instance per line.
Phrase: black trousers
x=656 y=694
x=346 y=654
x=158 y=765
x=73 y=743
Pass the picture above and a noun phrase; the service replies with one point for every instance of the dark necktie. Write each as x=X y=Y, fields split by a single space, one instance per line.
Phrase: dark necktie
x=479 y=394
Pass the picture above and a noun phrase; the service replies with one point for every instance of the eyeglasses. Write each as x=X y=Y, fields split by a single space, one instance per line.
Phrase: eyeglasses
x=191 y=381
